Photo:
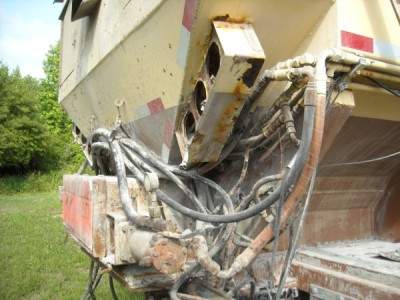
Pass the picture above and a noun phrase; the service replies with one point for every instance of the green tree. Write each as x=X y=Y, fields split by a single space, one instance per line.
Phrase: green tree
x=55 y=118
x=24 y=140
x=35 y=133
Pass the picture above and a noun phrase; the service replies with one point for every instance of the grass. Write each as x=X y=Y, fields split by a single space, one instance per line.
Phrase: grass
x=37 y=262
x=30 y=183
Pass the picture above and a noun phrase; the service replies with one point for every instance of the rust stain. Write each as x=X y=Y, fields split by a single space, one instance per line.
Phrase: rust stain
x=387 y=222
x=338 y=281
x=225 y=123
x=239 y=89
x=98 y=243
x=168 y=257
x=228 y=116
x=198 y=138
x=203 y=44
x=228 y=18
x=334 y=265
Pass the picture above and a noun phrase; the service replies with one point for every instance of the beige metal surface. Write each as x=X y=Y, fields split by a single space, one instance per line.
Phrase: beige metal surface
x=112 y=59
x=103 y=54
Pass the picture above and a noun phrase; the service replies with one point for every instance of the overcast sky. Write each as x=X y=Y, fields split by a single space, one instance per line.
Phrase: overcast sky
x=27 y=29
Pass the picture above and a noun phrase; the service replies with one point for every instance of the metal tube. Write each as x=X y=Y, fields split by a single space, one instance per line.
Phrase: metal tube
x=349 y=57
x=336 y=67
x=367 y=88
x=306 y=59
x=202 y=256
x=371 y=62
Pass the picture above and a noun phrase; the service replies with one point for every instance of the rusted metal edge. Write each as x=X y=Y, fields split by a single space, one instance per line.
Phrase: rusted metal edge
x=341 y=282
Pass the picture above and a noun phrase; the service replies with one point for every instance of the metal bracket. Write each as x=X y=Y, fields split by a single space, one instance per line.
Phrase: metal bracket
x=345 y=80
x=362 y=63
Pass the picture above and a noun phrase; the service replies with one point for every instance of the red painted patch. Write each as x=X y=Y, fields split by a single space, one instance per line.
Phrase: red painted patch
x=155 y=106
x=357 y=41
x=188 y=14
x=77 y=210
x=168 y=132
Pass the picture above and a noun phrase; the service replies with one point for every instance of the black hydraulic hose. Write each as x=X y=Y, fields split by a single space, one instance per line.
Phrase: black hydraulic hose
x=112 y=289
x=299 y=163
x=210 y=218
x=306 y=137
x=292 y=176
x=138 y=174
x=156 y=224
x=220 y=242
x=161 y=166
x=139 y=163
x=230 y=218
x=259 y=183
x=294 y=171
x=122 y=182
x=97 y=147
x=126 y=201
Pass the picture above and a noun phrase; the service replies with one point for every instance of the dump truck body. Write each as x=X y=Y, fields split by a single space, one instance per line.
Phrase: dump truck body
x=180 y=105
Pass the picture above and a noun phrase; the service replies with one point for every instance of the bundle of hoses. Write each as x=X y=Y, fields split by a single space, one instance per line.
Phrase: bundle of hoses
x=128 y=154
x=131 y=154
x=139 y=160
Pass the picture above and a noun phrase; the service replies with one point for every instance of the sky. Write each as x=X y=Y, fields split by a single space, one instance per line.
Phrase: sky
x=27 y=29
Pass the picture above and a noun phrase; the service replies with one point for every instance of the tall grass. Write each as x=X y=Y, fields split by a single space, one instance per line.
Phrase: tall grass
x=31 y=183
x=37 y=181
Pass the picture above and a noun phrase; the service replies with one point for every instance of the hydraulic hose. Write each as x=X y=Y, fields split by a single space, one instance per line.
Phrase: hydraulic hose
x=243 y=120
x=126 y=201
x=259 y=183
x=205 y=217
x=173 y=293
x=301 y=158
x=312 y=157
x=158 y=164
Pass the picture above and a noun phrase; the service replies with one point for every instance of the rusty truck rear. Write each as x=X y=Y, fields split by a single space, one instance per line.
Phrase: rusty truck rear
x=242 y=149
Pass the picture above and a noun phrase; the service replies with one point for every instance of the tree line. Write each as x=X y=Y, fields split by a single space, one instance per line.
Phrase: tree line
x=35 y=133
